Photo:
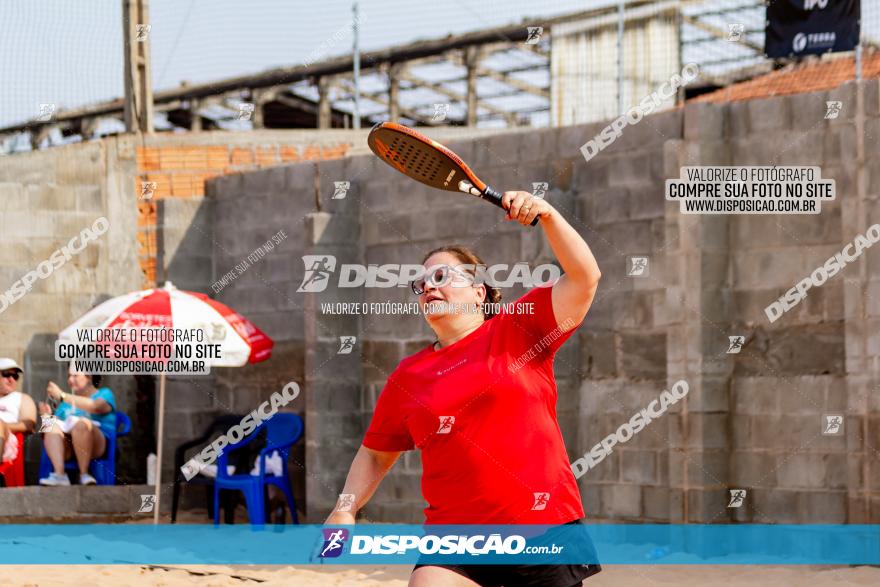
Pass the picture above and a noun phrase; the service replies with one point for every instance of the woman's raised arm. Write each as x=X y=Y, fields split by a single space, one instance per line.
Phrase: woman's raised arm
x=573 y=293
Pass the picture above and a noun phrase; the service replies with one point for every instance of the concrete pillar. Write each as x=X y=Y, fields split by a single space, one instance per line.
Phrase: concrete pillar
x=195 y=124
x=333 y=381
x=698 y=264
x=38 y=135
x=471 y=59
x=137 y=81
x=394 y=92
x=88 y=127
x=258 y=97
x=861 y=285
x=324 y=112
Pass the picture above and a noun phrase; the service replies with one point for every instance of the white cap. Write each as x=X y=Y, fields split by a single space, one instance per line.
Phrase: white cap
x=7 y=363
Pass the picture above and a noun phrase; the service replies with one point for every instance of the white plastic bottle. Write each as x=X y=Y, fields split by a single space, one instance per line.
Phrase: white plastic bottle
x=151 y=469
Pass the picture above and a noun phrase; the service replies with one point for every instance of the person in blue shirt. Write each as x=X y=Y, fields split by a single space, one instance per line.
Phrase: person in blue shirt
x=83 y=421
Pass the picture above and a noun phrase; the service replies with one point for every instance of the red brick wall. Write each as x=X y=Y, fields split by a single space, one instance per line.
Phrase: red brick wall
x=180 y=171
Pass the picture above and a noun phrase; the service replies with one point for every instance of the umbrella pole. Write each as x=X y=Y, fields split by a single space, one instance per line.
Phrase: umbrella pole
x=158 y=488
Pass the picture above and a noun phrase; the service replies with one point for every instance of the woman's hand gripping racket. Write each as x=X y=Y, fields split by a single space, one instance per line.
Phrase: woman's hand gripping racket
x=426 y=161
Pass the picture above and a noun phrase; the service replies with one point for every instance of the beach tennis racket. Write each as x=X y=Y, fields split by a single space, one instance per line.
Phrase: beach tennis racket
x=428 y=162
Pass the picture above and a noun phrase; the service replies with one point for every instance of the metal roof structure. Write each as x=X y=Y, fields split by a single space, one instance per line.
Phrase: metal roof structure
x=422 y=83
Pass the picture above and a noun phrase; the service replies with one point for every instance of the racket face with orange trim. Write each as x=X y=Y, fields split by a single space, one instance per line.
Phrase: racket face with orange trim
x=420 y=158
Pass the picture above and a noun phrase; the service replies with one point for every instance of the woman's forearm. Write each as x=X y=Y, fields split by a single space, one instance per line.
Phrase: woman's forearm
x=572 y=252
x=86 y=404
x=367 y=470
x=83 y=403
x=23 y=426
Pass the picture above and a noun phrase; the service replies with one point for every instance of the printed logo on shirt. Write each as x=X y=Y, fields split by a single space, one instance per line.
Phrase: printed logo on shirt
x=541 y=499
x=456 y=366
x=446 y=423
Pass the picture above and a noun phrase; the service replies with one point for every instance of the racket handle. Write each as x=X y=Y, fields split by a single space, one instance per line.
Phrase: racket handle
x=494 y=197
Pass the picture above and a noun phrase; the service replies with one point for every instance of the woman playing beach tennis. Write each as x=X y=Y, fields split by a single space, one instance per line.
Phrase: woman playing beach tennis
x=480 y=403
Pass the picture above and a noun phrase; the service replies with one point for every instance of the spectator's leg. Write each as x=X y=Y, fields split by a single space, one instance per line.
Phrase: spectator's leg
x=83 y=439
x=4 y=434
x=54 y=443
x=99 y=442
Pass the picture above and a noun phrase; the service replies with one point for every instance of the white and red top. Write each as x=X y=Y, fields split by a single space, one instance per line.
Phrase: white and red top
x=484 y=416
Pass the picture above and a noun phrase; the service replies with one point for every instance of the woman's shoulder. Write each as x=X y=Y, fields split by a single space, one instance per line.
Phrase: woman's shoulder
x=103 y=392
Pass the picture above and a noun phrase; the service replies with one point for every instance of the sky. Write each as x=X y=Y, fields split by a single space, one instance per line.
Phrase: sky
x=69 y=52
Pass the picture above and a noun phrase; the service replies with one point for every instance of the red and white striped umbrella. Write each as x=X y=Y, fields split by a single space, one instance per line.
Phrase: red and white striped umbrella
x=168 y=307
x=240 y=341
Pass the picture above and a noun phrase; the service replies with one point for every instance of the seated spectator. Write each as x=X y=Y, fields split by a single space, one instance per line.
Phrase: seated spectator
x=81 y=424
x=17 y=410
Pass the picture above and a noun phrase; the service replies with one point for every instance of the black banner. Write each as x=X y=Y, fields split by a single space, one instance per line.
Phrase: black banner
x=808 y=27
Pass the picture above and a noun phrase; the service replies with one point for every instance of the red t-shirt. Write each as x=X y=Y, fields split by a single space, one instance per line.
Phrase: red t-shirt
x=483 y=413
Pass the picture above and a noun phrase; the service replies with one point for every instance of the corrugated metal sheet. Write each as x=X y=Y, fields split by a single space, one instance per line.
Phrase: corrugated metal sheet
x=584 y=68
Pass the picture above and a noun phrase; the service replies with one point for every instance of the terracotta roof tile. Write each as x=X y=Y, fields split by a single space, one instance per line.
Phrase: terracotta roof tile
x=814 y=76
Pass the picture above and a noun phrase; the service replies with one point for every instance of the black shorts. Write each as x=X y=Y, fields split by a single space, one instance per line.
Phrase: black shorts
x=570 y=575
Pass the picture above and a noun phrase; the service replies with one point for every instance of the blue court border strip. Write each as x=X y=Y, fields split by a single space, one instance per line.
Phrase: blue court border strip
x=737 y=544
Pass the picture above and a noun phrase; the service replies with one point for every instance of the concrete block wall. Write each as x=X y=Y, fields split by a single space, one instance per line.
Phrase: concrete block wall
x=626 y=337
x=339 y=390
x=48 y=197
x=180 y=166
x=794 y=471
x=750 y=421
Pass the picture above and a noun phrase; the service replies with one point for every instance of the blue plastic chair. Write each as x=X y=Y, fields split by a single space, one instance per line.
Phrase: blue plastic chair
x=282 y=432
x=103 y=469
